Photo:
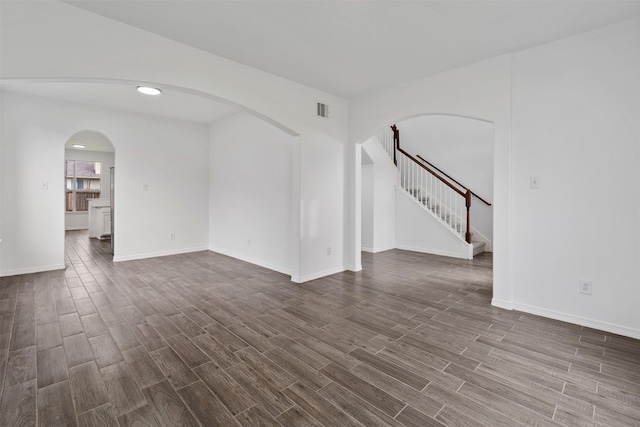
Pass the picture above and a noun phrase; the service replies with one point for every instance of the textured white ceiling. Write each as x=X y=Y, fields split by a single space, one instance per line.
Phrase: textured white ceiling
x=352 y=47
x=171 y=103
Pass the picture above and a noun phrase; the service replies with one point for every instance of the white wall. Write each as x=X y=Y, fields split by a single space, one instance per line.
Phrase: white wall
x=576 y=125
x=367 y=205
x=53 y=40
x=575 y=110
x=416 y=230
x=251 y=200
x=80 y=220
x=383 y=203
x=170 y=156
x=461 y=147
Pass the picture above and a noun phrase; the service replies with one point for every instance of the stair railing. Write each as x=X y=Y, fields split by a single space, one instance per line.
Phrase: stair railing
x=386 y=139
x=465 y=188
x=430 y=188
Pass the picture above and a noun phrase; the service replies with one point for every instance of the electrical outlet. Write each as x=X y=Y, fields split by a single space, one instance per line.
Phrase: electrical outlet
x=145 y=187
x=248 y=242
x=172 y=236
x=534 y=182
x=586 y=287
x=44 y=185
x=328 y=250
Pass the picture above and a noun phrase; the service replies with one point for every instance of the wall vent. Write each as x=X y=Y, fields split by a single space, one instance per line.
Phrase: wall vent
x=323 y=110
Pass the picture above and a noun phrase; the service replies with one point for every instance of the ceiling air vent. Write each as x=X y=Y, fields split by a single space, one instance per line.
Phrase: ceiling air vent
x=323 y=110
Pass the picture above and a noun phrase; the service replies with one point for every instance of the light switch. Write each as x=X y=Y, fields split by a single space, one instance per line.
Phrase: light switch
x=145 y=187
x=534 y=182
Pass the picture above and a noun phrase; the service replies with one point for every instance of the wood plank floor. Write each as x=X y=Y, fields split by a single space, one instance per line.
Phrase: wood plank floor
x=203 y=339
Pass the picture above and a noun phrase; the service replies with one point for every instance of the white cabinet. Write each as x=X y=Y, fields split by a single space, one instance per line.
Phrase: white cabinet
x=99 y=218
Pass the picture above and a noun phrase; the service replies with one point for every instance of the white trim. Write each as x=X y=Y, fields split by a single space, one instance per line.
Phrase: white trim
x=76 y=228
x=507 y=305
x=432 y=251
x=159 y=254
x=376 y=250
x=578 y=320
x=32 y=270
x=318 y=275
x=355 y=268
x=569 y=318
x=254 y=261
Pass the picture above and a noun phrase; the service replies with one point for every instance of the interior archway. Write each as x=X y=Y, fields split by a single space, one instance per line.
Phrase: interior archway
x=155 y=138
x=89 y=186
x=459 y=145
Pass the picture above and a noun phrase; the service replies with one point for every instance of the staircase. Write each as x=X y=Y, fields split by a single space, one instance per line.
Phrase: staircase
x=446 y=200
x=437 y=209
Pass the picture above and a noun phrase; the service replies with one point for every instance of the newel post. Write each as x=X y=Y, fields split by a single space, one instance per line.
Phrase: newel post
x=467 y=197
x=396 y=142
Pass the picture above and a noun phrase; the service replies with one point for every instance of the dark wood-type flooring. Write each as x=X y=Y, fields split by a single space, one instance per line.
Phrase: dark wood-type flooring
x=203 y=339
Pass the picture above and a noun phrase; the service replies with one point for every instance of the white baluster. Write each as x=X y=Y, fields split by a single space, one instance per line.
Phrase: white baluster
x=448 y=217
x=404 y=171
x=415 y=178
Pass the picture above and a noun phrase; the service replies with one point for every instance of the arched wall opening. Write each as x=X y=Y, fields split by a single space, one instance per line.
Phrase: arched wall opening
x=322 y=142
x=481 y=91
x=163 y=185
x=457 y=142
x=462 y=148
x=89 y=164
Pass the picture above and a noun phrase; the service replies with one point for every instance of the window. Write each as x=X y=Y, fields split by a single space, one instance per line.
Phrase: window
x=82 y=184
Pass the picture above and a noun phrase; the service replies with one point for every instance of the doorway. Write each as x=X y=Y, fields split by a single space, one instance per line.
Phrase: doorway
x=89 y=167
x=423 y=218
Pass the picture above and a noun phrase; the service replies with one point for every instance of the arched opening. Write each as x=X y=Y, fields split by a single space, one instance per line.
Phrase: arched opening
x=458 y=152
x=89 y=190
x=166 y=148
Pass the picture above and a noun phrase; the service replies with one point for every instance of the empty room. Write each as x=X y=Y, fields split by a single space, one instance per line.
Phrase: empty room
x=311 y=213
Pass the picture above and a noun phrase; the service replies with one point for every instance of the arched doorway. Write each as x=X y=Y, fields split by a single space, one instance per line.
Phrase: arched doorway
x=150 y=189
x=89 y=178
x=457 y=149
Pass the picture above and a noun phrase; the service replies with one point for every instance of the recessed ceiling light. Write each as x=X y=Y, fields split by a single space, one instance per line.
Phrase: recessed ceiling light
x=148 y=90
x=79 y=146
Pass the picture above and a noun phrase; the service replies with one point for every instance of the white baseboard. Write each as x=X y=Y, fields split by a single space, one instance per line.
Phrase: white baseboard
x=376 y=250
x=433 y=251
x=32 y=270
x=261 y=263
x=507 y=305
x=570 y=318
x=354 y=268
x=159 y=254
x=318 y=275
x=80 y=227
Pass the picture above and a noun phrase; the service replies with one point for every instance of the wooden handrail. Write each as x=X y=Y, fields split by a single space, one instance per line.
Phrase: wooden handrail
x=444 y=181
x=453 y=179
x=396 y=139
x=466 y=195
